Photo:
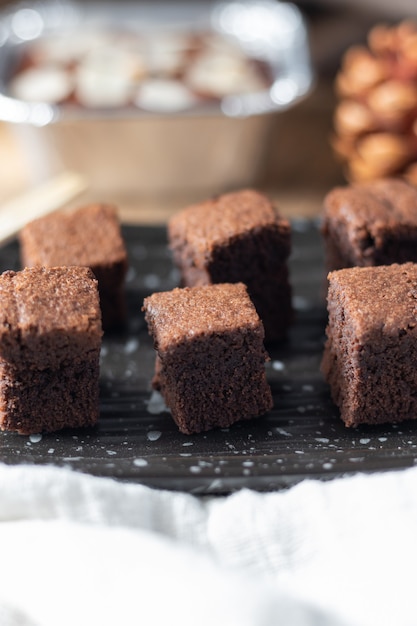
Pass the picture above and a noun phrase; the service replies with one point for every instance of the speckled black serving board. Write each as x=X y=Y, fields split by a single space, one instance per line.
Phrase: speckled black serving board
x=301 y=437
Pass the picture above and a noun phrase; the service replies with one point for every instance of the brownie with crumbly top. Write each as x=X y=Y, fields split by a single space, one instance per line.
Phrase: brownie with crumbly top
x=50 y=339
x=370 y=356
x=238 y=237
x=210 y=365
x=372 y=223
x=89 y=236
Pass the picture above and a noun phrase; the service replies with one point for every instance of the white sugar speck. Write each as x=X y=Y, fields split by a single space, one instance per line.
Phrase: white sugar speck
x=278 y=366
x=248 y=463
x=382 y=439
x=307 y=388
x=188 y=443
x=111 y=452
x=202 y=463
x=217 y=483
x=282 y=431
x=156 y=404
x=35 y=438
x=140 y=462
x=327 y=466
x=153 y=435
x=51 y=450
x=152 y=281
x=322 y=439
x=300 y=303
x=131 y=346
x=195 y=469
x=364 y=441
x=131 y=273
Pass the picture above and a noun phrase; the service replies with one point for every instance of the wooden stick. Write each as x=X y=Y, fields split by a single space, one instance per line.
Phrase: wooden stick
x=37 y=202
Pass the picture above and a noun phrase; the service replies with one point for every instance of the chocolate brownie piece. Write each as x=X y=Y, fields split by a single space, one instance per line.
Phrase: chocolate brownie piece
x=210 y=365
x=89 y=236
x=237 y=237
x=371 y=223
x=50 y=339
x=370 y=357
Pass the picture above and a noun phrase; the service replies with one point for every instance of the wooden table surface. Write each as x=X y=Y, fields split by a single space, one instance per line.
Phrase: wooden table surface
x=298 y=170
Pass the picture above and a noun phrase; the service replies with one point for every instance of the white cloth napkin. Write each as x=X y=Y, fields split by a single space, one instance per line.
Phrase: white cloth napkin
x=78 y=550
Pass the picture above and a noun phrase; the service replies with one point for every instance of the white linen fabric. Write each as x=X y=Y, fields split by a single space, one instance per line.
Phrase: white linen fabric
x=79 y=550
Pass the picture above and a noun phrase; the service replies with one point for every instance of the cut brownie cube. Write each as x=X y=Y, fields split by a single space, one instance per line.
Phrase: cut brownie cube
x=210 y=365
x=91 y=237
x=371 y=223
x=50 y=339
x=237 y=237
x=370 y=357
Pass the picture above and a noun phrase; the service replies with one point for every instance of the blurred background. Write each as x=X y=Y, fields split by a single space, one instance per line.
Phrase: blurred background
x=296 y=165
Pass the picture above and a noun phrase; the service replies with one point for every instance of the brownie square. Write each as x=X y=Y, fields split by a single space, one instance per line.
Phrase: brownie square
x=371 y=223
x=89 y=236
x=237 y=237
x=370 y=357
x=210 y=365
x=50 y=339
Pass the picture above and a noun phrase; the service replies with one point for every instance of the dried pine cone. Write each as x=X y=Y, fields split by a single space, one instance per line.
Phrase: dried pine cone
x=376 y=116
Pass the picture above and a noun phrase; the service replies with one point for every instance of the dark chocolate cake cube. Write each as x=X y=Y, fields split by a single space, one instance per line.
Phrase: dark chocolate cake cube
x=238 y=237
x=50 y=339
x=210 y=365
x=89 y=236
x=370 y=357
x=371 y=223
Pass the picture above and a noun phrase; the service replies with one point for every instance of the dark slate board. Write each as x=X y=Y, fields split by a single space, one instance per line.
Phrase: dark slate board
x=302 y=437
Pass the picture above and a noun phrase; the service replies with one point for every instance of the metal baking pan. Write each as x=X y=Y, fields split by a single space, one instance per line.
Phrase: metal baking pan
x=136 y=440
x=213 y=146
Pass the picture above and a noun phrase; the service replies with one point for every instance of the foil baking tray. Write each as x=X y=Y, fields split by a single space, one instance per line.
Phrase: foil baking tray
x=270 y=31
x=136 y=440
x=215 y=145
